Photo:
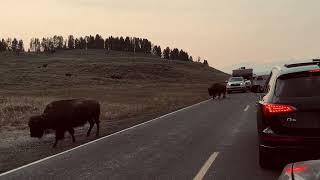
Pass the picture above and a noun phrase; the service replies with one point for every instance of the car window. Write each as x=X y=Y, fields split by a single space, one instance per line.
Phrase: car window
x=233 y=79
x=298 y=85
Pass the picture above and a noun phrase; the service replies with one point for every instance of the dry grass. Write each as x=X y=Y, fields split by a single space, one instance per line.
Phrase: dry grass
x=15 y=110
x=127 y=86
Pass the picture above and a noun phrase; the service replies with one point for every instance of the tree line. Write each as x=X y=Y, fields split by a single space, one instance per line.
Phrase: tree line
x=11 y=45
x=126 y=44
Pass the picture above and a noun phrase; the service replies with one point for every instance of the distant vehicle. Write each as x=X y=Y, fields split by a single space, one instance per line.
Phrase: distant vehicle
x=288 y=114
x=247 y=75
x=248 y=84
x=236 y=84
x=307 y=170
x=259 y=83
x=243 y=72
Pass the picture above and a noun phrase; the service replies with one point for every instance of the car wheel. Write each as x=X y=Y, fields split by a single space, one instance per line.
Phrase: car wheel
x=265 y=160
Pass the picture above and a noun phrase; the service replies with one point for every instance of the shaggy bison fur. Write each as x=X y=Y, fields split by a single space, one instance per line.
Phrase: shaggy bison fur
x=65 y=115
x=217 y=90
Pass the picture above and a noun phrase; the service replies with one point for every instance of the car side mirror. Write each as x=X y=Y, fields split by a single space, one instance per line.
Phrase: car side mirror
x=226 y=81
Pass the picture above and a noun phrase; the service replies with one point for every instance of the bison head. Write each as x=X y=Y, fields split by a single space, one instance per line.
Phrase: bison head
x=36 y=126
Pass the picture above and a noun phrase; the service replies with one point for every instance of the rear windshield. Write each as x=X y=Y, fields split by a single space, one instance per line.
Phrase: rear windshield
x=259 y=78
x=298 y=85
x=233 y=79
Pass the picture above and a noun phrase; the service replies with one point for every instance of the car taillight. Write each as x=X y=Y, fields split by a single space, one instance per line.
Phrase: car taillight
x=315 y=71
x=269 y=108
x=296 y=169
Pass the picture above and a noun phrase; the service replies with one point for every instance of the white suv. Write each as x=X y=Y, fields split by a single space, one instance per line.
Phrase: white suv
x=236 y=84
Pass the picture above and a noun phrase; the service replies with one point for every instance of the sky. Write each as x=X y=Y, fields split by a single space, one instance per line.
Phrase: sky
x=225 y=32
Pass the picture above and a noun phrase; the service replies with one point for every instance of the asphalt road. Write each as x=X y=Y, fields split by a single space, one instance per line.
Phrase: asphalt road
x=215 y=139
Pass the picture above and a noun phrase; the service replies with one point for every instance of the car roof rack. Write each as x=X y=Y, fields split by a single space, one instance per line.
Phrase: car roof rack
x=315 y=62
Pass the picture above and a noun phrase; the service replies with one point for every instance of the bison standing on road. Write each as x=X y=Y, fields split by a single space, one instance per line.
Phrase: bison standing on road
x=65 y=115
x=217 y=89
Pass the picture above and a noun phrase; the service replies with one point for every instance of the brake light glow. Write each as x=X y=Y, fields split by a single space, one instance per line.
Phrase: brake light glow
x=315 y=71
x=277 y=108
x=296 y=169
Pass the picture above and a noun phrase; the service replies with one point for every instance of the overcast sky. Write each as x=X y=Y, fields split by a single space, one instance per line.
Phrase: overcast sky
x=224 y=32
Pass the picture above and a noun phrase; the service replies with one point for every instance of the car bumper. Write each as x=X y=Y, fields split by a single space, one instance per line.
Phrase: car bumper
x=289 y=144
x=236 y=88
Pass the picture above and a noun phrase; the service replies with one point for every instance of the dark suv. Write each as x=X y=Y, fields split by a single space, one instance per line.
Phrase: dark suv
x=288 y=116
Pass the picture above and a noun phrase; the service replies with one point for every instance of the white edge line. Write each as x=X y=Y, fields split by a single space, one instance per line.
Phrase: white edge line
x=49 y=157
x=246 y=109
x=202 y=172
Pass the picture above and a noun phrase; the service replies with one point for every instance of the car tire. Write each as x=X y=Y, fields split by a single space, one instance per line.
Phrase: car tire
x=265 y=160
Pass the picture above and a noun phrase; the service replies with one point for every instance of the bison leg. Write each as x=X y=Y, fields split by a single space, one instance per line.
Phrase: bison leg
x=98 y=124
x=55 y=143
x=71 y=131
x=97 y=121
x=89 y=130
x=219 y=95
x=59 y=135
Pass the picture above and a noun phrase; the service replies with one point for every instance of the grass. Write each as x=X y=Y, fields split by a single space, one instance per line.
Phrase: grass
x=126 y=85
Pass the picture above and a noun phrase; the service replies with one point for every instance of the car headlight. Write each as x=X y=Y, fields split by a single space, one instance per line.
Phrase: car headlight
x=242 y=83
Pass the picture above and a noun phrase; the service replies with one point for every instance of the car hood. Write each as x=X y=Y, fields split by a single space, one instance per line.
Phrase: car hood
x=306 y=170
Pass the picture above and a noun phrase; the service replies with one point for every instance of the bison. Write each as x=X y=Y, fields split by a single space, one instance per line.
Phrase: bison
x=65 y=115
x=217 y=89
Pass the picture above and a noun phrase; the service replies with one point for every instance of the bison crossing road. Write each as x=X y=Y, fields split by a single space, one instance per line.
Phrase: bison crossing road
x=217 y=90
x=65 y=115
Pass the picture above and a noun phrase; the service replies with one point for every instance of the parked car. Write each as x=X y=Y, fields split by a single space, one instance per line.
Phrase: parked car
x=236 y=84
x=307 y=170
x=288 y=114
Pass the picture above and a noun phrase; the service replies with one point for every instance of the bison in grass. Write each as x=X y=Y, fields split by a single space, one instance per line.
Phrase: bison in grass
x=65 y=115
x=217 y=90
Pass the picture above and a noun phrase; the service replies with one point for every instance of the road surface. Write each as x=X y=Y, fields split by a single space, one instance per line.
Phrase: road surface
x=215 y=139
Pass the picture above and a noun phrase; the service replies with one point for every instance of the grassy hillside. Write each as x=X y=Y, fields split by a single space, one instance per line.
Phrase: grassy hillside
x=126 y=85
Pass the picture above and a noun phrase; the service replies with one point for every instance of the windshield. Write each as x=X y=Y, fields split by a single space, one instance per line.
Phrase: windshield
x=234 y=79
x=298 y=85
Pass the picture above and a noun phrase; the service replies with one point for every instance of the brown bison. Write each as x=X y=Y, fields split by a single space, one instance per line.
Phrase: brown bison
x=217 y=90
x=65 y=115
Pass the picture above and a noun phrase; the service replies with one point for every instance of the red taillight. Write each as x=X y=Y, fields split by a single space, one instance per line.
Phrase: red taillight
x=269 y=108
x=296 y=169
x=315 y=71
